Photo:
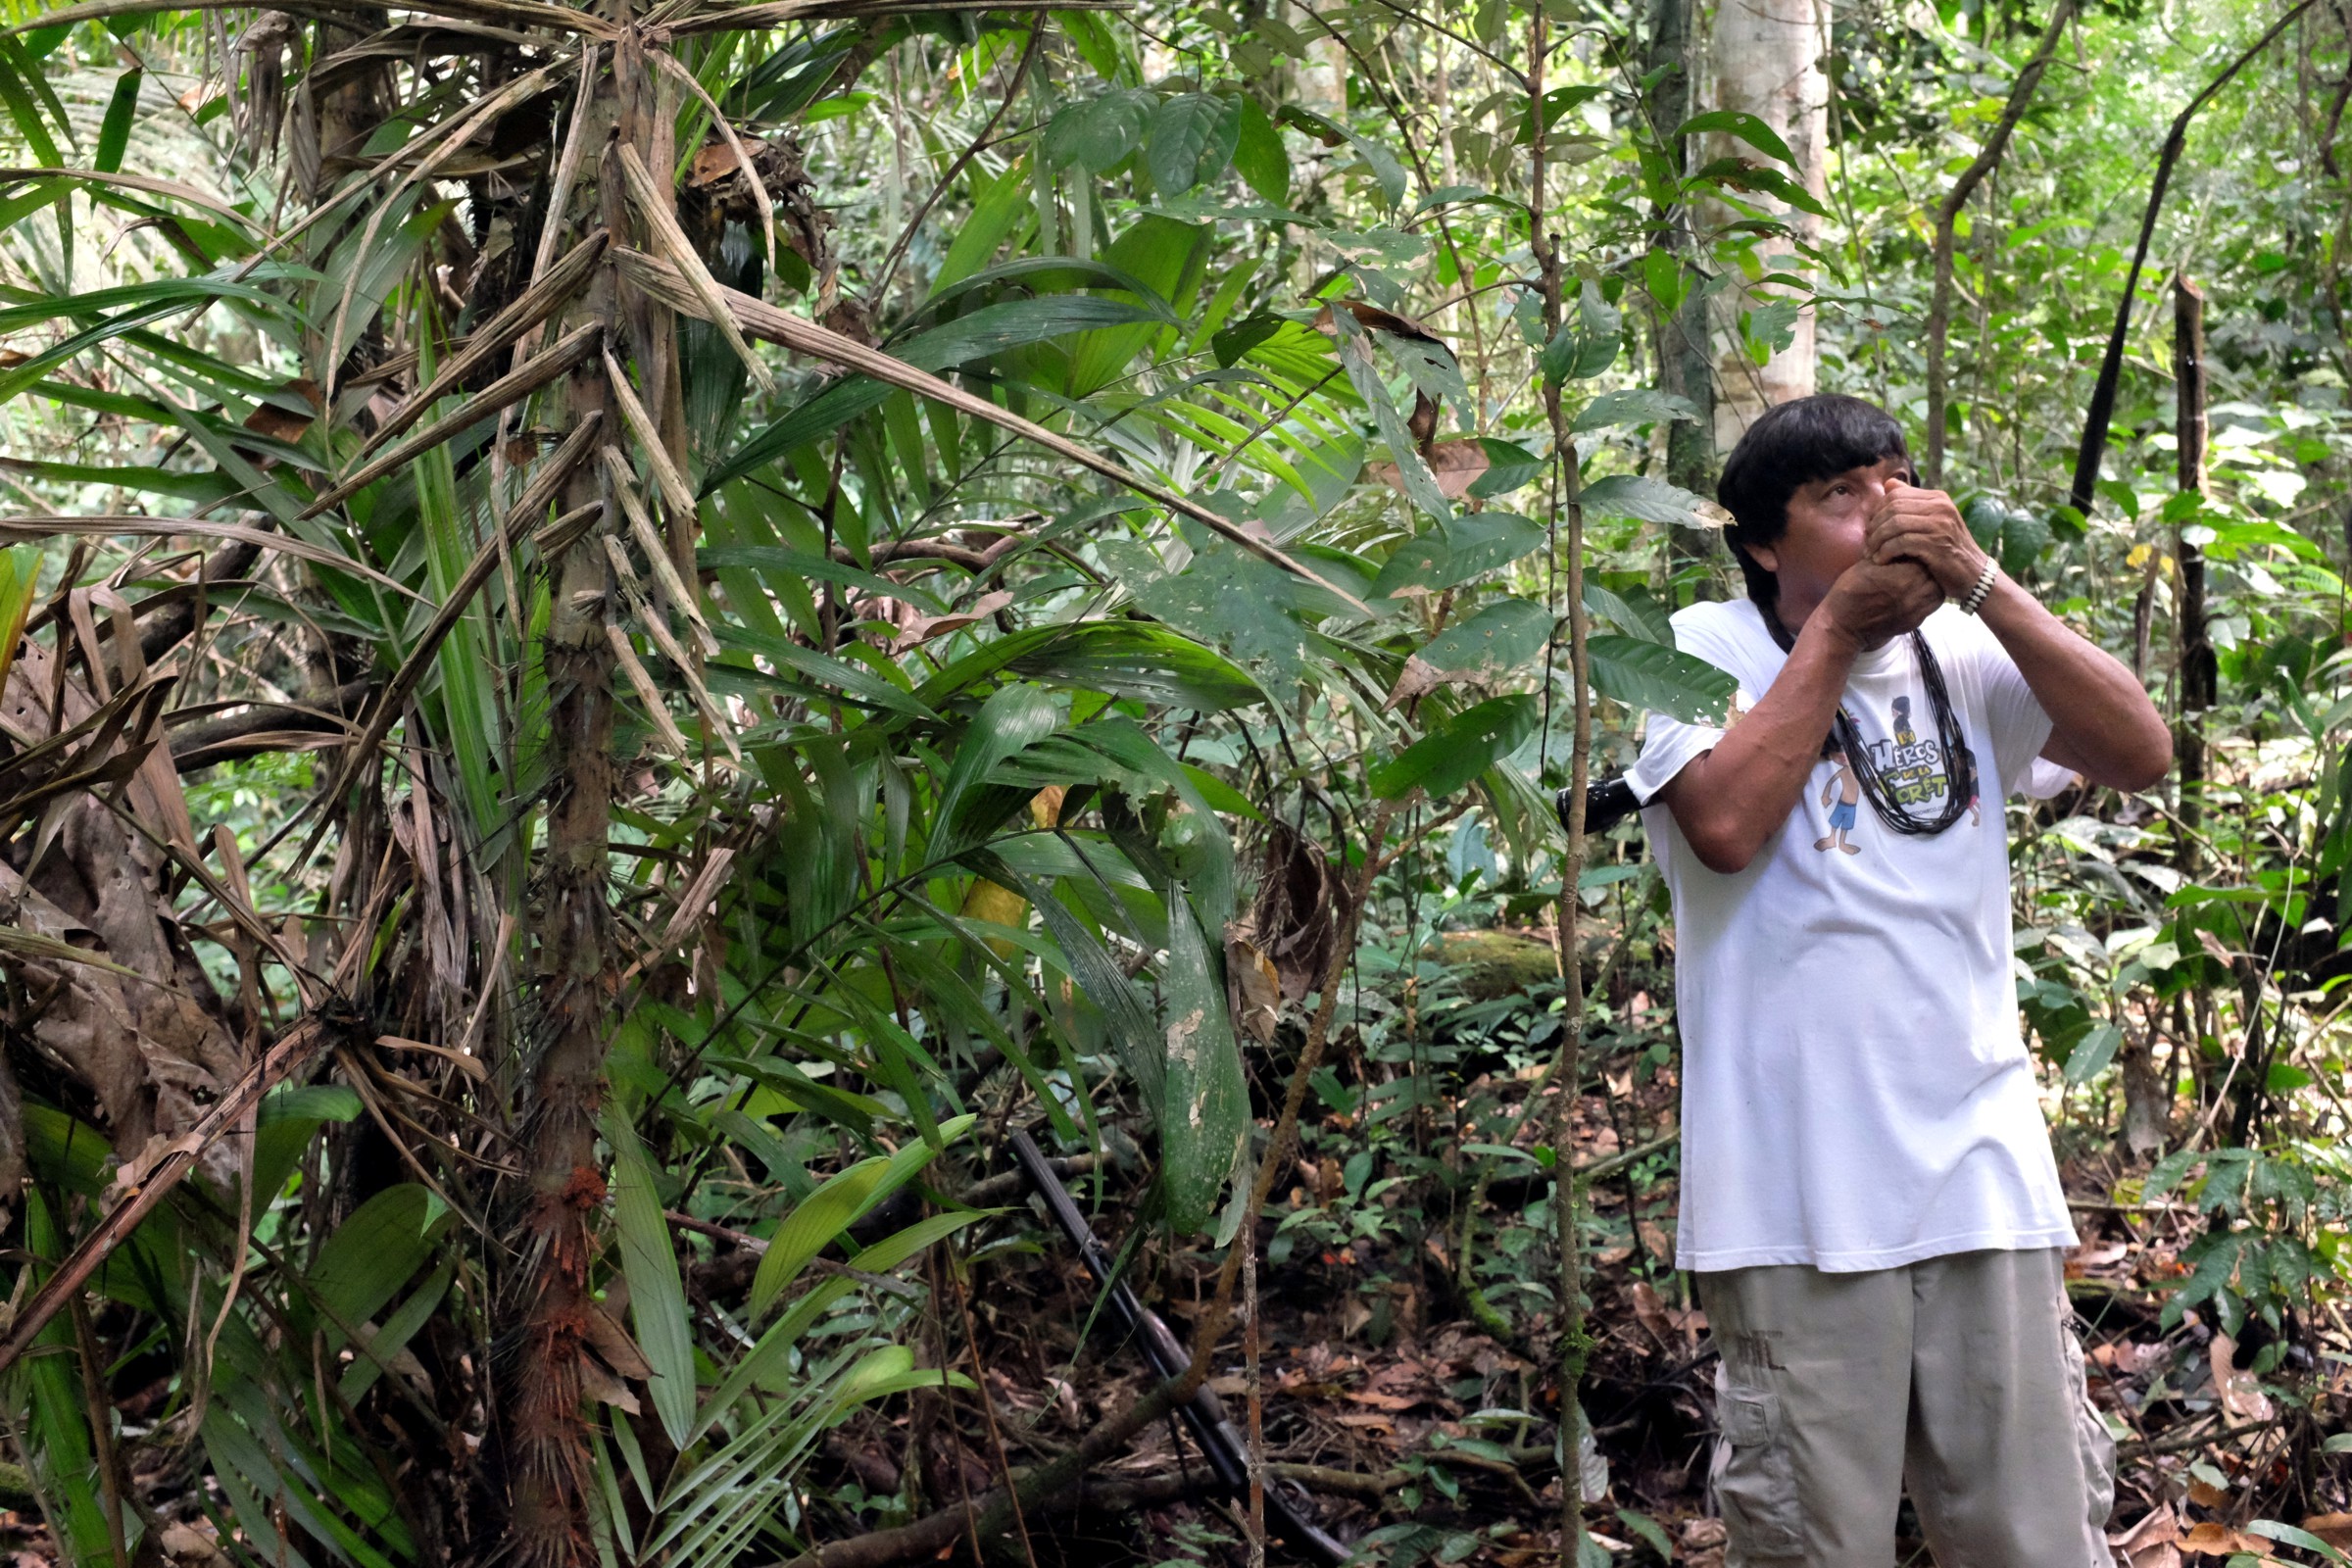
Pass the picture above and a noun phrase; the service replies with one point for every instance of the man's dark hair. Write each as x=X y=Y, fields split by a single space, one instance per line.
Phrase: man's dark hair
x=1794 y=444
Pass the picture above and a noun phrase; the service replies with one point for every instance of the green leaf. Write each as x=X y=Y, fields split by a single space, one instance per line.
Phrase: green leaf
x=1646 y=500
x=2092 y=1051
x=374 y=1252
x=649 y=1261
x=1469 y=744
x=1098 y=133
x=2291 y=1535
x=854 y=682
x=21 y=106
x=1633 y=613
x=1259 y=156
x=1649 y=678
x=1505 y=638
x=842 y=1200
x=1191 y=139
x=1228 y=596
x=113 y=132
x=1205 y=1111
x=1642 y=407
x=1131 y=659
x=1013 y=718
x=1468 y=547
x=2024 y=537
x=1747 y=126
x=1230 y=343
x=1510 y=465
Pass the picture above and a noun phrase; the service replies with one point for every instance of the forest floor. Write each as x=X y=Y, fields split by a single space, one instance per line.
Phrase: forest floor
x=1391 y=1410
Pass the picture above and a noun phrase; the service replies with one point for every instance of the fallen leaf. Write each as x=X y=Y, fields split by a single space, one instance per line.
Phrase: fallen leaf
x=714 y=162
x=2205 y=1494
x=920 y=629
x=1367 y=1423
x=1650 y=1310
x=2149 y=1543
x=1381 y=1401
x=2335 y=1529
x=1256 y=985
x=2212 y=1538
x=2240 y=1392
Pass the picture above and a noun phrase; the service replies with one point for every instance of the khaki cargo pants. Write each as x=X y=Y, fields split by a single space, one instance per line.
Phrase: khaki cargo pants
x=1960 y=1376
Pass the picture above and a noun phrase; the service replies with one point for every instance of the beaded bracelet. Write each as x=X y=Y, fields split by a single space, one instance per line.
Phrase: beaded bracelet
x=1975 y=598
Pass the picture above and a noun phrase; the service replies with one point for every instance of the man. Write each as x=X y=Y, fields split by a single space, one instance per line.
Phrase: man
x=1868 y=1196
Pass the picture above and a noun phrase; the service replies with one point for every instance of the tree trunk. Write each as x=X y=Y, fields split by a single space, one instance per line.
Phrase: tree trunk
x=550 y=1465
x=1767 y=59
x=1685 y=366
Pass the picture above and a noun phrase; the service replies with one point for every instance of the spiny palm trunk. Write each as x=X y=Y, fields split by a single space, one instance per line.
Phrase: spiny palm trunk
x=547 y=1430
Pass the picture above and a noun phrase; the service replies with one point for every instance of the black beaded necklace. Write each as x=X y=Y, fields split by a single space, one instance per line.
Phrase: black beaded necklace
x=1959 y=763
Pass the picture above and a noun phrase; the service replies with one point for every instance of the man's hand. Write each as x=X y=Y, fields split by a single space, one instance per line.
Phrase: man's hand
x=1873 y=602
x=1924 y=527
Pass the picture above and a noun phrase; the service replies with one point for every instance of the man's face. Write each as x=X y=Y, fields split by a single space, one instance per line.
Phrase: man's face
x=1826 y=521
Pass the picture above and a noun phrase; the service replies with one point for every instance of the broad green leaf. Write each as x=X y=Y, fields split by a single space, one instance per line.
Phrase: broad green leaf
x=1259 y=156
x=1191 y=139
x=374 y=1252
x=1464 y=747
x=1738 y=122
x=649 y=1261
x=1206 y=1111
x=1646 y=500
x=1009 y=721
x=1099 y=132
x=1509 y=466
x=1633 y=613
x=1132 y=658
x=1468 y=547
x=1642 y=407
x=2094 y=1051
x=1650 y=678
x=1505 y=638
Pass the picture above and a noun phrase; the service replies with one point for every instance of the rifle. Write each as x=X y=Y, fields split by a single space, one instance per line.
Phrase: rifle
x=1204 y=1413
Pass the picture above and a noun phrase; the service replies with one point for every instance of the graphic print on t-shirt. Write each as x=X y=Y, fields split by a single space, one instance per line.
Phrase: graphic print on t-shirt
x=1914 y=771
x=1849 y=789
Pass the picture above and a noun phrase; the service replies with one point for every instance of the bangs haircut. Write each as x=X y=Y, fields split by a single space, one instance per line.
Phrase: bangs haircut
x=1794 y=444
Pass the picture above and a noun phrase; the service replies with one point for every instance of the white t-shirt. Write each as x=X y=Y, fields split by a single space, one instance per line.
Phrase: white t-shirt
x=1856 y=1094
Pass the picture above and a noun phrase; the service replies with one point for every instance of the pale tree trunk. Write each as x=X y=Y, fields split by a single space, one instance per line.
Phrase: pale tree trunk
x=1766 y=58
x=1322 y=78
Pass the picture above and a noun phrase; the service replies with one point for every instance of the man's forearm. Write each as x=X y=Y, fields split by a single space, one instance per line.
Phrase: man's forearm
x=2101 y=721
x=1732 y=800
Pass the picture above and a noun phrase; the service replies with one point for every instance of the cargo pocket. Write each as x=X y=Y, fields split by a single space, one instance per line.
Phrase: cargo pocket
x=2091 y=1436
x=1756 y=1477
